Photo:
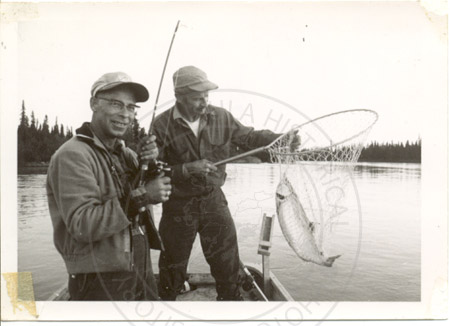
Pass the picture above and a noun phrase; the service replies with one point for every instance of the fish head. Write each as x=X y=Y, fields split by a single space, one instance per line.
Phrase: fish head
x=284 y=191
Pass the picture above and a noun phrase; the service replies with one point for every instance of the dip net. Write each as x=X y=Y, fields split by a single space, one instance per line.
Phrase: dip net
x=320 y=168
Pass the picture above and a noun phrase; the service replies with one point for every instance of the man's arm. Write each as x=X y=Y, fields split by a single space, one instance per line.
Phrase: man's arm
x=154 y=188
x=179 y=172
x=87 y=214
x=249 y=138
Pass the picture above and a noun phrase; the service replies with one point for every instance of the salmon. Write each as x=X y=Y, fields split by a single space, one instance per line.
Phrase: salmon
x=296 y=227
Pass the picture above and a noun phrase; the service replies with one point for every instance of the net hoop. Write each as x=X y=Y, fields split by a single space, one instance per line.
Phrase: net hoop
x=372 y=118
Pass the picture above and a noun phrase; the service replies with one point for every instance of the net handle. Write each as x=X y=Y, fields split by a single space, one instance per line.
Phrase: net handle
x=237 y=157
x=263 y=148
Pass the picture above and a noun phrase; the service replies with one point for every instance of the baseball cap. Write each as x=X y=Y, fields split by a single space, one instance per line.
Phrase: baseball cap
x=191 y=79
x=114 y=79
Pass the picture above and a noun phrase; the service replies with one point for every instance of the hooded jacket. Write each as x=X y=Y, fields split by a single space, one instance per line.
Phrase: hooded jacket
x=85 y=198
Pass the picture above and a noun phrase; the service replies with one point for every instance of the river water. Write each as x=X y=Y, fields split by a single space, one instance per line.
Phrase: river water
x=377 y=235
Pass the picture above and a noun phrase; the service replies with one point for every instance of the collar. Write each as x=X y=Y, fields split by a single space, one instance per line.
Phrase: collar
x=176 y=113
x=85 y=131
x=86 y=134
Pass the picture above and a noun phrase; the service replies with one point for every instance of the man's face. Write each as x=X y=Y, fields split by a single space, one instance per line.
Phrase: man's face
x=194 y=103
x=114 y=112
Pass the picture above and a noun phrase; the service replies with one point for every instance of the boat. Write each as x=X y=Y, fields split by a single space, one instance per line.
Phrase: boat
x=257 y=284
x=204 y=285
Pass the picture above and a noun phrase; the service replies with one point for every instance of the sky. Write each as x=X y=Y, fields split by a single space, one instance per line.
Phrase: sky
x=317 y=57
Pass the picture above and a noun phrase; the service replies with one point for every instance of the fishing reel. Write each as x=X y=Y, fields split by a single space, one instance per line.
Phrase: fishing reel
x=250 y=278
x=247 y=285
x=156 y=167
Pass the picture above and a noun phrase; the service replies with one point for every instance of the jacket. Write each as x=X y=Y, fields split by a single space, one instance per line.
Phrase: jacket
x=86 y=199
x=218 y=132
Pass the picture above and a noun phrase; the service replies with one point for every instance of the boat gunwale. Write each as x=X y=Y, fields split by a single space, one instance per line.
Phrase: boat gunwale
x=199 y=279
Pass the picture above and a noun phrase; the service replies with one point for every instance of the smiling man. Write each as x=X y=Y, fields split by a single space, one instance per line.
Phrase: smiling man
x=96 y=204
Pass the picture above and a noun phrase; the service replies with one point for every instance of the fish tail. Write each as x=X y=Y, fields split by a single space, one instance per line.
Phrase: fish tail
x=330 y=260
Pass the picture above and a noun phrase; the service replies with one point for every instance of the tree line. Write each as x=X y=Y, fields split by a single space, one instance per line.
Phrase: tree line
x=410 y=152
x=38 y=141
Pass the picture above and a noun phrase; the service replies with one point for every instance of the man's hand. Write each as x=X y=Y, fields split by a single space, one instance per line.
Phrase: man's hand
x=159 y=189
x=200 y=167
x=147 y=149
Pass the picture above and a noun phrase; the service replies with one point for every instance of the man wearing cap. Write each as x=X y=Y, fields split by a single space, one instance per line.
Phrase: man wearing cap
x=95 y=197
x=190 y=136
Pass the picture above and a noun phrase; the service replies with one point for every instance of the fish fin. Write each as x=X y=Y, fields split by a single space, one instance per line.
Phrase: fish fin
x=330 y=260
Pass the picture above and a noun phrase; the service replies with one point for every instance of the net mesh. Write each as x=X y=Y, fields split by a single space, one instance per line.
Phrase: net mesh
x=320 y=168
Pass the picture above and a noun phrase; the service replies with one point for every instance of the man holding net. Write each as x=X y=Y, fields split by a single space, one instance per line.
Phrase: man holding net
x=191 y=136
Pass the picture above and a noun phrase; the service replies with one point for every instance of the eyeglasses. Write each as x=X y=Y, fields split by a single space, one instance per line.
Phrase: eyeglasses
x=119 y=105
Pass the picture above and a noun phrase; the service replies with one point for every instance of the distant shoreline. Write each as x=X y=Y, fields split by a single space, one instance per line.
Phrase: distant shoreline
x=41 y=167
x=33 y=168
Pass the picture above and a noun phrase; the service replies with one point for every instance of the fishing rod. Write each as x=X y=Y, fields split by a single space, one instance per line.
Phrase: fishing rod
x=159 y=166
x=252 y=280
